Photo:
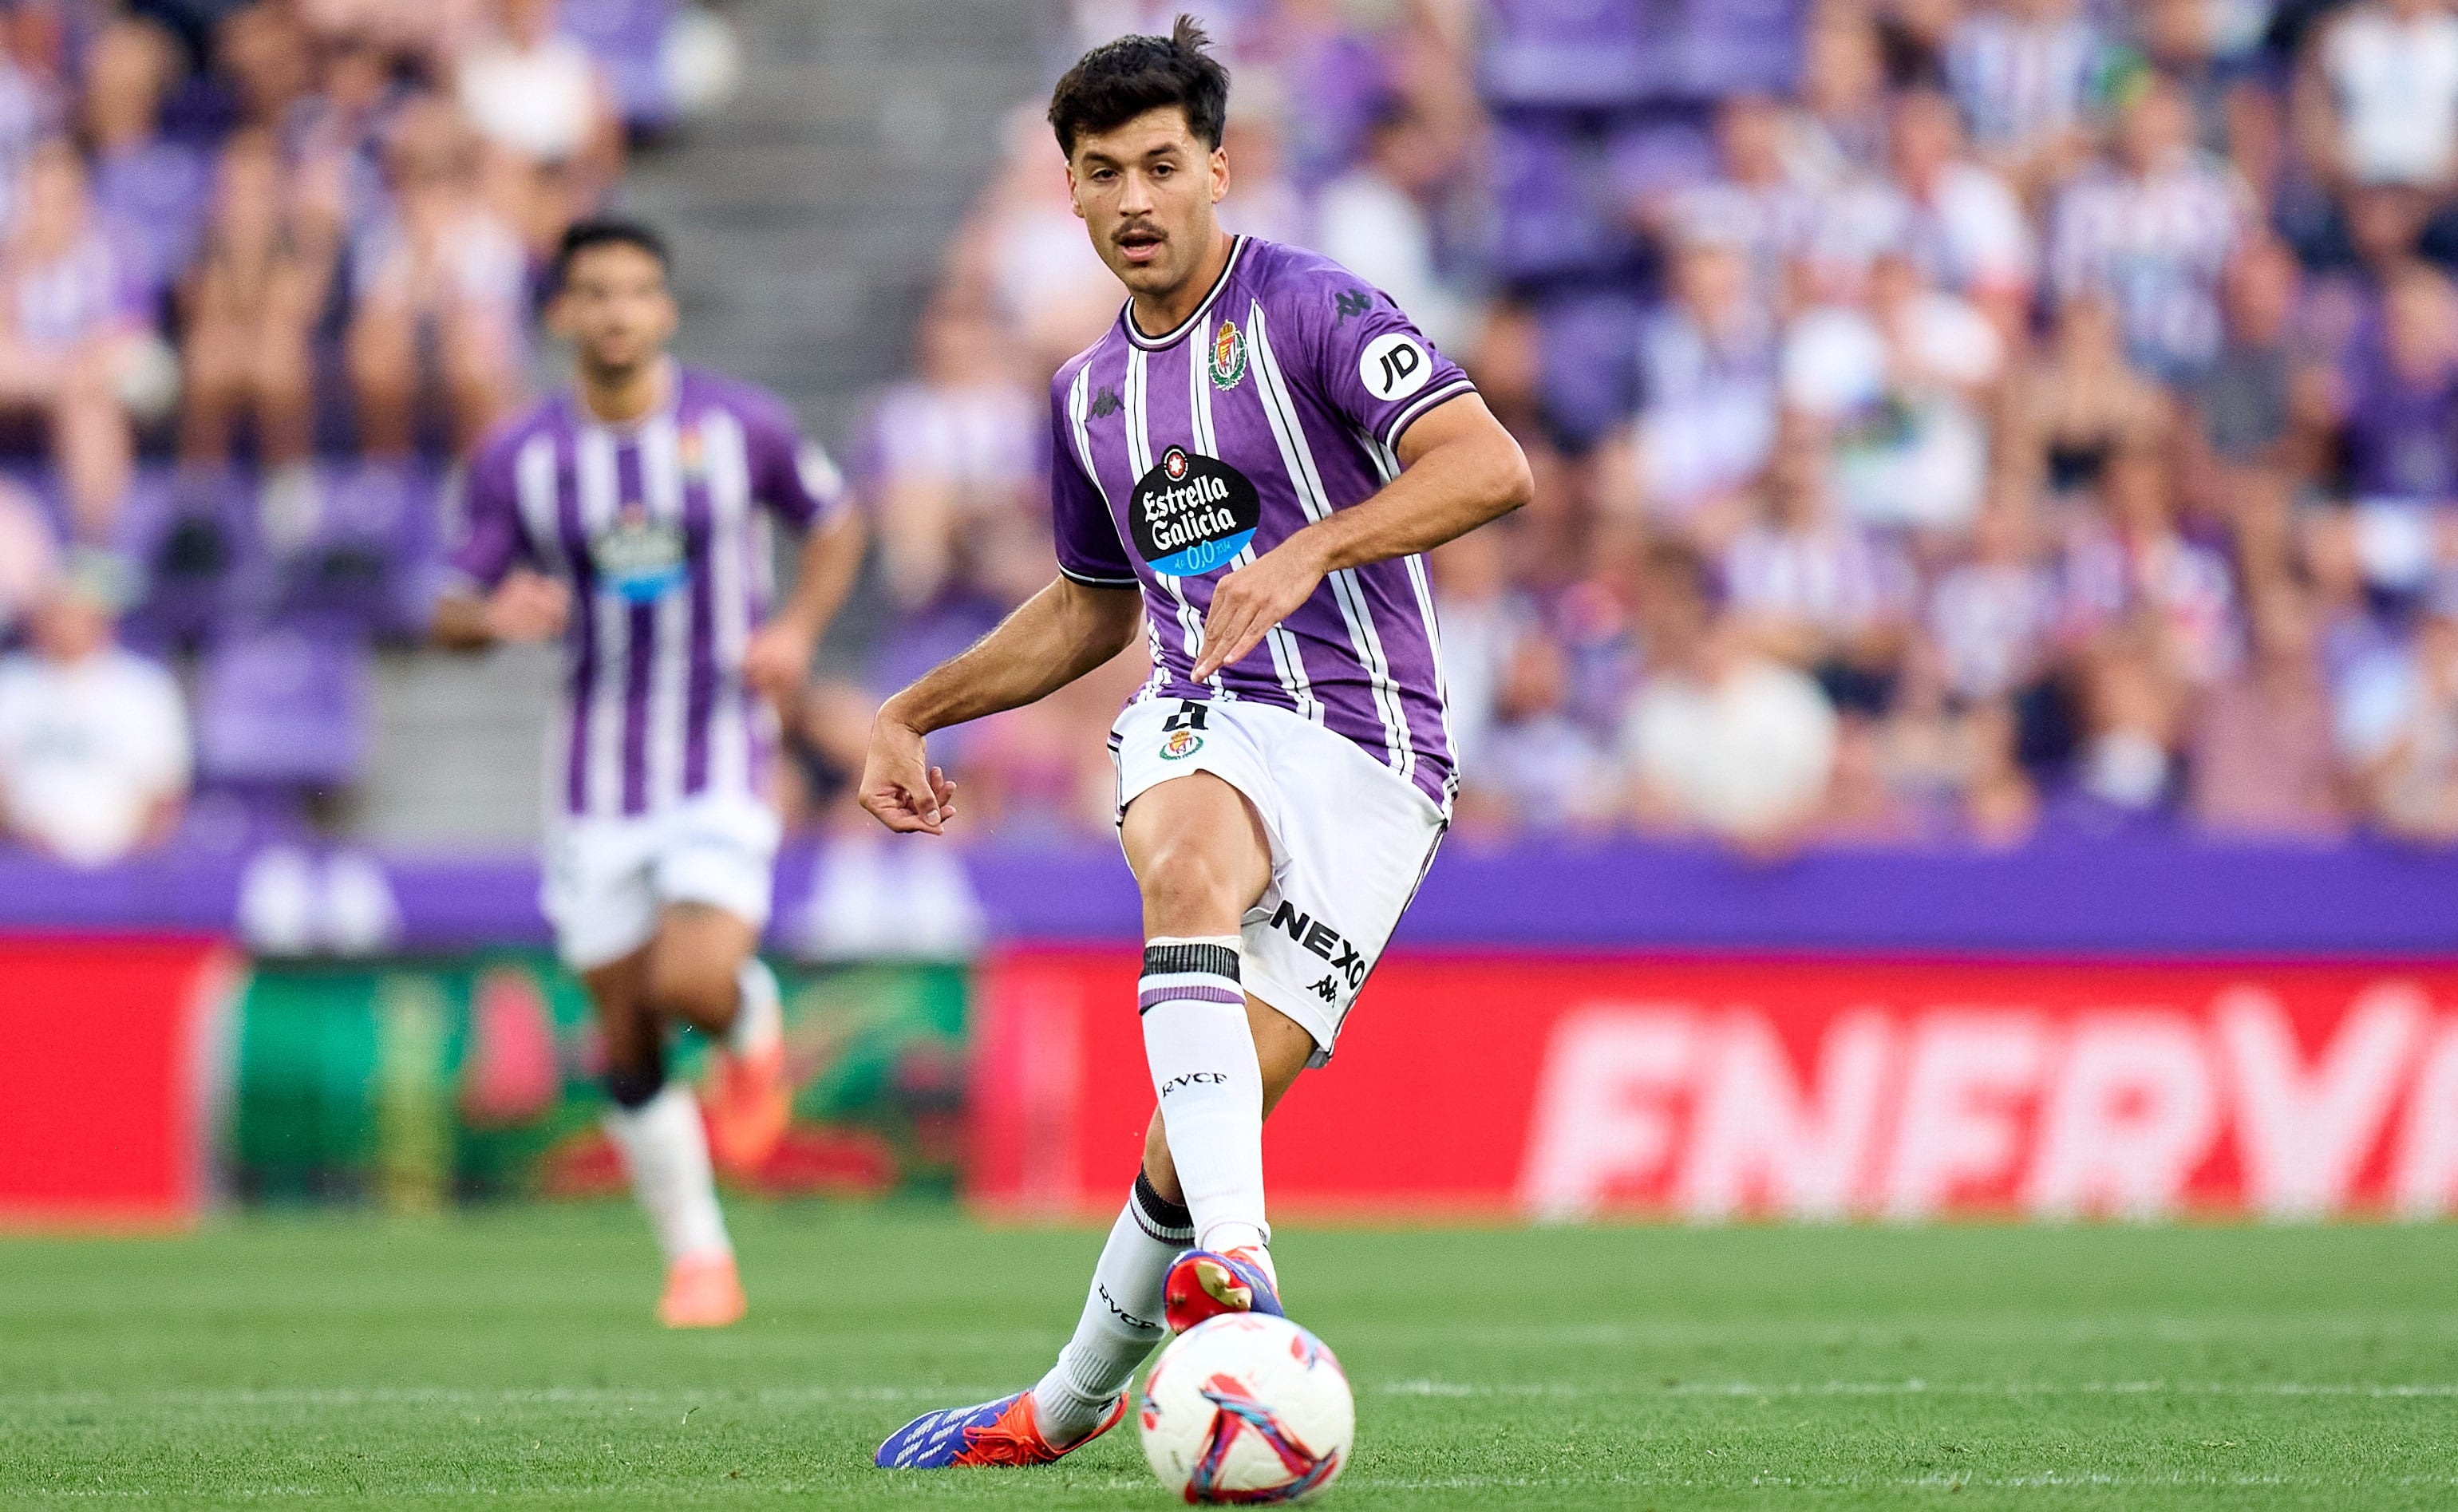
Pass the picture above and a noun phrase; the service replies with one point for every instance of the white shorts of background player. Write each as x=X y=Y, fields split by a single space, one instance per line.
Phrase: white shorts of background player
x=608 y=878
x=1350 y=842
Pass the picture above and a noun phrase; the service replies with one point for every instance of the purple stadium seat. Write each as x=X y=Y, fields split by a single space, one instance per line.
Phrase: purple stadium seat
x=1559 y=213
x=280 y=706
x=184 y=534
x=367 y=562
x=629 y=38
x=1651 y=152
x=1571 y=54
x=1731 y=46
x=1591 y=368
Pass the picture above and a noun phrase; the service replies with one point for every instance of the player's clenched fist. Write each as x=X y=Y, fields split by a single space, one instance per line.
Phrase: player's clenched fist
x=899 y=788
x=1253 y=599
x=528 y=607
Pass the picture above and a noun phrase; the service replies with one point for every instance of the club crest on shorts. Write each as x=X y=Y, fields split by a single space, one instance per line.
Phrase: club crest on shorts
x=1228 y=356
x=1181 y=744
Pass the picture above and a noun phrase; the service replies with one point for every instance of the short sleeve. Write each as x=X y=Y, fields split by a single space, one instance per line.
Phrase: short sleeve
x=1370 y=362
x=791 y=474
x=491 y=537
x=1087 y=535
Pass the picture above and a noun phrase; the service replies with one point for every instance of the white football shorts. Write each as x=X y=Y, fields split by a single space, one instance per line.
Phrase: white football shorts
x=607 y=879
x=1350 y=842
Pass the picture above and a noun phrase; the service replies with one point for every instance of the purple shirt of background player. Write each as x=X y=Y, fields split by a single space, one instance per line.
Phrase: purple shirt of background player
x=1278 y=401
x=664 y=531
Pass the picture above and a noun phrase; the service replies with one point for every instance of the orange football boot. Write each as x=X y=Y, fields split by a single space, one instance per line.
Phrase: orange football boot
x=703 y=1291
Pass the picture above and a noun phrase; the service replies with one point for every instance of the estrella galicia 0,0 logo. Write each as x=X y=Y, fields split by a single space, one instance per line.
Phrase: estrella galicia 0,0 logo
x=1193 y=513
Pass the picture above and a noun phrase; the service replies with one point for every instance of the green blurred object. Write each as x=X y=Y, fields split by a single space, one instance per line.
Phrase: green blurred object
x=411 y=1083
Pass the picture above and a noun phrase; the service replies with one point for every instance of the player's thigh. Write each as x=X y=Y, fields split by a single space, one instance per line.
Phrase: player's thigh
x=618 y=993
x=597 y=890
x=695 y=962
x=714 y=879
x=1199 y=852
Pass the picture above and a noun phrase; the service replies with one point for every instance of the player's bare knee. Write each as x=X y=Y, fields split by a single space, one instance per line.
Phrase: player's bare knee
x=693 y=991
x=1193 y=888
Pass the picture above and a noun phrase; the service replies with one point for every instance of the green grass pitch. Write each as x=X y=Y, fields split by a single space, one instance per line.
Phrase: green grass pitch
x=506 y=1359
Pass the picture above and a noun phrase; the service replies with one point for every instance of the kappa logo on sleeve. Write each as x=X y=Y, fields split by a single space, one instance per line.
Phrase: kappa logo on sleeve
x=1394 y=365
x=1350 y=303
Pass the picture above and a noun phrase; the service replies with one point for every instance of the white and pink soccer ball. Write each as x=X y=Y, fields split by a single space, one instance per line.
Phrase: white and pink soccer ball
x=1245 y=1410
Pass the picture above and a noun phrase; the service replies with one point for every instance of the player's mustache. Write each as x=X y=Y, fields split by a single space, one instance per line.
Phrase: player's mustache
x=1138 y=228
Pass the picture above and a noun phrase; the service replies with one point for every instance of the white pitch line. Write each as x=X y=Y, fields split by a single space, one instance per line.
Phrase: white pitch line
x=1915 y=1386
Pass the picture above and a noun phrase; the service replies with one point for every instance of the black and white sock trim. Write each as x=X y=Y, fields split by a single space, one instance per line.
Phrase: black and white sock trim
x=1163 y=1221
x=1191 y=972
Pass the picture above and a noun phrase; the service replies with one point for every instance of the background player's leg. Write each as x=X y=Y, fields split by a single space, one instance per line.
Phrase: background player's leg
x=657 y=1126
x=695 y=969
x=704 y=970
x=1201 y=859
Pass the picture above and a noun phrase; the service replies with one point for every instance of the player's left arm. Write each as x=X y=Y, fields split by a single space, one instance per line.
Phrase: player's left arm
x=795 y=479
x=1458 y=469
x=779 y=657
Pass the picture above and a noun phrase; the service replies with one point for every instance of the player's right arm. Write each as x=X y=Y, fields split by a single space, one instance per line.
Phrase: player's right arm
x=524 y=608
x=1061 y=633
x=495 y=596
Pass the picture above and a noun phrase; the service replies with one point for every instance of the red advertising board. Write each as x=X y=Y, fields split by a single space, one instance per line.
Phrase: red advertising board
x=108 y=1052
x=1554 y=1086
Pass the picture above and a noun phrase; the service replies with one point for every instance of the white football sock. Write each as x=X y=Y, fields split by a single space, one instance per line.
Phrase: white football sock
x=1201 y=1053
x=1121 y=1319
x=666 y=1151
x=759 y=1014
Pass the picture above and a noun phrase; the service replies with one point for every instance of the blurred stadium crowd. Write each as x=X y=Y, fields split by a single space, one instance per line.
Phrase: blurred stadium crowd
x=1952 y=420
x=286 y=252
x=1955 y=419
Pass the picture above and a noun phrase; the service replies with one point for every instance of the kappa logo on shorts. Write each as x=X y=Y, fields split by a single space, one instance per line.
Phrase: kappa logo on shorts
x=1348 y=964
x=1181 y=744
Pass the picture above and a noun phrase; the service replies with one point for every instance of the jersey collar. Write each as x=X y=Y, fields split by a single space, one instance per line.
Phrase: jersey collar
x=1154 y=343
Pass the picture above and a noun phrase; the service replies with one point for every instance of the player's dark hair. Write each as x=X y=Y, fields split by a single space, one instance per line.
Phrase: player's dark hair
x=605 y=230
x=1119 y=81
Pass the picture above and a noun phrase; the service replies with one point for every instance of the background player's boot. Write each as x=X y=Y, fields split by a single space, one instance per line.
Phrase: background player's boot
x=1206 y=1283
x=703 y=1291
x=996 y=1433
x=749 y=1101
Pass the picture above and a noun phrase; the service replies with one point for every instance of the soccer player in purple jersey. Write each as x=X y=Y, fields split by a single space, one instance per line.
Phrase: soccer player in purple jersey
x=632 y=515
x=1246 y=470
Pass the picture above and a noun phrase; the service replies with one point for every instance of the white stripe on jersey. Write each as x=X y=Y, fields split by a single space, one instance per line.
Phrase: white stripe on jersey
x=1139 y=462
x=1284 y=646
x=1386 y=465
x=1298 y=457
x=535 y=491
x=730 y=579
x=597 y=486
x=1079 y=412
x=669 y=714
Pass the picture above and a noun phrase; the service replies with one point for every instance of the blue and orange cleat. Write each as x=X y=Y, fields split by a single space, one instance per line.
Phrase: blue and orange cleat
x=996 y=1433
x=1205 y=1283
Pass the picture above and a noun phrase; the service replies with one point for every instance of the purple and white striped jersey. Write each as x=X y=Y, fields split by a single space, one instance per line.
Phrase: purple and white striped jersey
x=1180 y=457
x=663 y=530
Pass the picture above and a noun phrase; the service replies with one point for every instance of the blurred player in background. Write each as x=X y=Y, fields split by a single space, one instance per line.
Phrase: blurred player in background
x=632 y=515
x=1246 y=468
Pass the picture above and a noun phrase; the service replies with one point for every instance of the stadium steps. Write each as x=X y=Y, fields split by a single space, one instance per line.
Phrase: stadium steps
x=809 y=216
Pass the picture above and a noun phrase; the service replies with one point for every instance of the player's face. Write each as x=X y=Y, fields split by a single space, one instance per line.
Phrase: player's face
x=615 y=310
x=1146 y=192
